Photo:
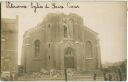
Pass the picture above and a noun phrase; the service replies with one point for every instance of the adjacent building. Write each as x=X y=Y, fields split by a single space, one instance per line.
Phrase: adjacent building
x=61 y=41
x=9 y=45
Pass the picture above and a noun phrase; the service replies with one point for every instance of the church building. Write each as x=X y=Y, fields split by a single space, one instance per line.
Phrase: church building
x=61 y=41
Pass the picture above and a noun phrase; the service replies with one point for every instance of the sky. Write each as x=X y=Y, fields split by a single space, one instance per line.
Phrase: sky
x=108 y=19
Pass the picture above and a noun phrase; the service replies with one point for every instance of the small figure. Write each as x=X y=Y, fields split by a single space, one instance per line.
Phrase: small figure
x=105 y=78
x=94 y=77
x=110 y=77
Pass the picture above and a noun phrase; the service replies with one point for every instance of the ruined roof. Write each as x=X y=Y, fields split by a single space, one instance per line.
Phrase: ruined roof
x=53 y=17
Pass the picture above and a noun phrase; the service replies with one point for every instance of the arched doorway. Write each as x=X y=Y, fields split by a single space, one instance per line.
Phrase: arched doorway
x=69 y=58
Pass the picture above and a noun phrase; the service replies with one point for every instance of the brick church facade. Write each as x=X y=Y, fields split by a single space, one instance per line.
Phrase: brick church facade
x=60 y=41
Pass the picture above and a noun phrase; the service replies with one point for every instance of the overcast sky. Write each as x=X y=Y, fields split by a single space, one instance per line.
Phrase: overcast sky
x=106 y=18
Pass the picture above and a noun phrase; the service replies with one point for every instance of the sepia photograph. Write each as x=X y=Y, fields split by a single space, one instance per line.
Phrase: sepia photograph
x=63 y=41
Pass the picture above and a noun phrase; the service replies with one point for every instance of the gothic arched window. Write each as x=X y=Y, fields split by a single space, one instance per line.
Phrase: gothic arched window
x=89 y=50
x=69 y=51
x=49 y=25
x=65 y=32
x=37 y=47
